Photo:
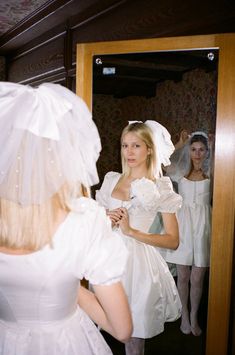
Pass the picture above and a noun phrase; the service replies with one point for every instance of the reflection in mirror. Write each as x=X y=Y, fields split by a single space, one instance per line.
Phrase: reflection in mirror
x=178 y=89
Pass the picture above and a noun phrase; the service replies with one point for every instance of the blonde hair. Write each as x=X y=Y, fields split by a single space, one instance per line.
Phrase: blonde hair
x=143 y=132
x=31 y=227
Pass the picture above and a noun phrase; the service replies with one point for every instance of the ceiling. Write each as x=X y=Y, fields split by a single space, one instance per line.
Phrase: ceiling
x=12 y=12
x=139 y=74
x=22 y=21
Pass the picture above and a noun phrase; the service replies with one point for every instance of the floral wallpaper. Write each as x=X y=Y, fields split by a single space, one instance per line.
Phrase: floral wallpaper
x=2 y=69
x=189 y=104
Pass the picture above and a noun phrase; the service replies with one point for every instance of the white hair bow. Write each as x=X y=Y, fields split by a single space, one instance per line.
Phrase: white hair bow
x=49 y=138
x=37 y=110
x=163 y=144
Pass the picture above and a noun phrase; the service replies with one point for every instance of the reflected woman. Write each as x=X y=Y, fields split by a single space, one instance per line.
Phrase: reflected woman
x=132 y=200
x=190 y=168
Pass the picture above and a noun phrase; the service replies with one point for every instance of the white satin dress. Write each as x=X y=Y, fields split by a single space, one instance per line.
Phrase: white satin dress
x=150 y=287
x=194 y=219
x=39 y=314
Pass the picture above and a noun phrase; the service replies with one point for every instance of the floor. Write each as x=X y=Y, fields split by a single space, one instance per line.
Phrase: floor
x=172 y=341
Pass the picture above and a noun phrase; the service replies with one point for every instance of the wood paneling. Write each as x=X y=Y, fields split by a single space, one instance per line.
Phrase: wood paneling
x=41 y=61
x=104 y=20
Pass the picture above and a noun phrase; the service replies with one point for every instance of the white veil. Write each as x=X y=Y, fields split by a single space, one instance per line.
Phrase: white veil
x=47 y=138
x=181 y=162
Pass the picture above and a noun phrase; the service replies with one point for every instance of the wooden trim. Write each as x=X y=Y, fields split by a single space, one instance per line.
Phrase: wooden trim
x=84 y=74
x=224 y=177
x=77 y=22
x=223 y=202
x=52 y=76
x=42 y=41
x=85 y=52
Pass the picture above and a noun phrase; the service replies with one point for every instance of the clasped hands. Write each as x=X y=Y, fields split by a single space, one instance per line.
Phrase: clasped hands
x=120 y=218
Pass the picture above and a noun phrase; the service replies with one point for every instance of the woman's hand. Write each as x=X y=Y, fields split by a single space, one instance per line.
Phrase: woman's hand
x=114 y=215
x=211 y=140
x=124 y=221
x=184 y=136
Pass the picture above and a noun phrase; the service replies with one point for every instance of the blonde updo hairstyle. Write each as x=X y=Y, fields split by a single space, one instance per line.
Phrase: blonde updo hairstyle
x=143 y=132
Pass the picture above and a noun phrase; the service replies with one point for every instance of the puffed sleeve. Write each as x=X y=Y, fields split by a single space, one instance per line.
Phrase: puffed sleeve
x=169 y=201
x=103 y=257
x=103 y=194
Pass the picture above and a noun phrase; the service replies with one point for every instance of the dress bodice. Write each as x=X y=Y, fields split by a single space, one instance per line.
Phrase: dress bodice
x=33 y=289
x=147 y=198
x=139 y=218
x=43 y=286
x=194 y=192
x=194 y=219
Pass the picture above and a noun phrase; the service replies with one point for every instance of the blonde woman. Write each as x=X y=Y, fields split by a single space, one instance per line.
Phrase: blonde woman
x=51 y=235
x=134 y=200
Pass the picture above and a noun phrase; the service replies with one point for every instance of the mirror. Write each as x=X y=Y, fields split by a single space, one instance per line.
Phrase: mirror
x=178 y=89
x=224 y=179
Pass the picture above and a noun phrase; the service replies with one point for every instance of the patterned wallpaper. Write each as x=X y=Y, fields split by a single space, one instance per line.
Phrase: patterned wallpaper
x=2 y=69
x=189 y=104
x=12 y=12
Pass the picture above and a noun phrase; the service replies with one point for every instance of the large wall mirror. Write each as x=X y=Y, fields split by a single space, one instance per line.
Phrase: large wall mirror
x=176 y=88
x=212 y=57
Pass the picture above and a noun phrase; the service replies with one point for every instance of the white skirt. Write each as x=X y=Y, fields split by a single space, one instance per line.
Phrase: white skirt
x=76 y=335
x=151 y=290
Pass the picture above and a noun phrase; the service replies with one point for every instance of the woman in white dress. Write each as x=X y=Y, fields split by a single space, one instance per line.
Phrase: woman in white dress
x=51 y=235
x=134 y=200
x=190 y=168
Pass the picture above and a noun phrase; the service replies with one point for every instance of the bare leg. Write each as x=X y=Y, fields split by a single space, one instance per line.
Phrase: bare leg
x=183 y=276
x=135 y=346
x=197 y=278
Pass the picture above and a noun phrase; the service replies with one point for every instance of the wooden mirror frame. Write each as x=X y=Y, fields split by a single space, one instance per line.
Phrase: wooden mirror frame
x=224 y=174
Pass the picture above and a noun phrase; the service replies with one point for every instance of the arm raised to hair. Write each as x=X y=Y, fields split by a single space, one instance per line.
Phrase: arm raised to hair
x=183 y=139
x=169 y=240
x=108 y=308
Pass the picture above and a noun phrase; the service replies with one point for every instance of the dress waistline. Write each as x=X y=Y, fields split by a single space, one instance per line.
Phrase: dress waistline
x=25 y=326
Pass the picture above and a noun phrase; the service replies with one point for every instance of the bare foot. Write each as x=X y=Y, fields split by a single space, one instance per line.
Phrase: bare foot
x=185 y=330
x=185 y=325
x=196 y=330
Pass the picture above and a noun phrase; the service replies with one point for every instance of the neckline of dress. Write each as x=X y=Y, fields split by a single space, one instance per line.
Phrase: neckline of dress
x=118 y=199
x=195 y=180
x=119 y=175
